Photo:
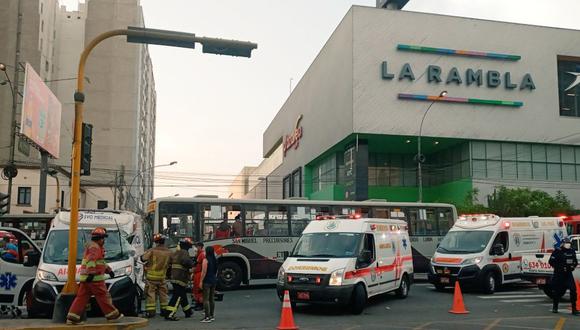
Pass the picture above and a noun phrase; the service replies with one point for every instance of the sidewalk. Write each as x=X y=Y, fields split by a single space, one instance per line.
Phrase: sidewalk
x=91 y=324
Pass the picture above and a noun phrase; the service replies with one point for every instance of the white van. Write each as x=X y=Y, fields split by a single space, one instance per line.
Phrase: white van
x=347 y=261
x=485 y=250
x=123 y=247
x=19 y=257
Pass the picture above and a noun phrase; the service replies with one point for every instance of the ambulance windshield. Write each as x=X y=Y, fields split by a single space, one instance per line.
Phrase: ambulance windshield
x=56 y=248
x=461 y=242
x=328 y=245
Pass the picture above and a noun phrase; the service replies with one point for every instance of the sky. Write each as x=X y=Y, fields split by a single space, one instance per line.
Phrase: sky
x=212 y=110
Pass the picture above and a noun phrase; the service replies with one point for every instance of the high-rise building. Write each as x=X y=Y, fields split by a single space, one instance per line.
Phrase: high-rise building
x=120 y=99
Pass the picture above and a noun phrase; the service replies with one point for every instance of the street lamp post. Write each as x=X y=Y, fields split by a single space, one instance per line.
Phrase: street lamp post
x=54 y=174
x=136 y=35
x=265 y=179
x=420 y=158
x=139 y=174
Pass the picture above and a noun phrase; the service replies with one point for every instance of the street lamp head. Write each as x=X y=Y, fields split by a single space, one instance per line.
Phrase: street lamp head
x=173 y=163
x=443 y=93
x=2 y=67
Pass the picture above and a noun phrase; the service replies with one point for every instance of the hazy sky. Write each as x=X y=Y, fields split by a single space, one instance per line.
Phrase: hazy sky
x=212 y=110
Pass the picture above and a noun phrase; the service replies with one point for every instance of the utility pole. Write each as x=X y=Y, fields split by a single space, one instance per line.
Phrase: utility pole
x=16 y=84
x=121 y=188
x=115 y=190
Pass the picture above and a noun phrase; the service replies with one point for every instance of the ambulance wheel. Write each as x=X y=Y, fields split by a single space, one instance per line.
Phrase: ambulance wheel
x=548 y=291
x=359 y=299
x=229 y=275
x=403 y=290
x=490 y=283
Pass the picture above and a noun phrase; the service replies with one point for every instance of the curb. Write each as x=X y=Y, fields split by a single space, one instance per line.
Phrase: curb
x=128 y=323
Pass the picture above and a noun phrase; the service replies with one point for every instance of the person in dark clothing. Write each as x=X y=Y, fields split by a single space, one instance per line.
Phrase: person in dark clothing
x=181 y=264
x=564 y=261
x=208 y=283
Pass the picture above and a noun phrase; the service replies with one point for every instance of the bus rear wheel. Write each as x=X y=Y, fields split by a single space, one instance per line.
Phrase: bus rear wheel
x=229 y=275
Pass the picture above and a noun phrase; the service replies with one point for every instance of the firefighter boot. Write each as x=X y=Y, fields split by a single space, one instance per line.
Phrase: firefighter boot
x=555 y=306
x=188 y=313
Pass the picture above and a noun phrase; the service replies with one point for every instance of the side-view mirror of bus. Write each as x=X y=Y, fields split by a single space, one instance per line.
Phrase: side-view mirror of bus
x=364 y=259
x=32 y=259
x=497 y=250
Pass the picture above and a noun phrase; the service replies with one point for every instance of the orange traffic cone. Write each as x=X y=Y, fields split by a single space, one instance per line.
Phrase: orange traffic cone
x=577 y=295
x=287 y=320
x=458 y=306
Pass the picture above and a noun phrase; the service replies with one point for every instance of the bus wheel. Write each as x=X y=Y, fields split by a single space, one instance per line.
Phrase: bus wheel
x=359 y=299
x=490 y=282
x=403 y=290
x=229 y=275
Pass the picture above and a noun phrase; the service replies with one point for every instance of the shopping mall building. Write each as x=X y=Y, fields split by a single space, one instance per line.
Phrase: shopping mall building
x=352 y=127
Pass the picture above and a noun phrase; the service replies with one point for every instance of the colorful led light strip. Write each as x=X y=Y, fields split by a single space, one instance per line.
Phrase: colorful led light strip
x=436 y=98
x=470 y=53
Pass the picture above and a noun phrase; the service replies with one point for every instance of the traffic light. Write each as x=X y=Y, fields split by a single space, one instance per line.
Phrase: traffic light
x=87 y=142
x=4 y=202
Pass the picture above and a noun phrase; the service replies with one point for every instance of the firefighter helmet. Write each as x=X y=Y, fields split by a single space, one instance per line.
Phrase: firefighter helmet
x=186 y=242
x=159 y=238
x=99 y=233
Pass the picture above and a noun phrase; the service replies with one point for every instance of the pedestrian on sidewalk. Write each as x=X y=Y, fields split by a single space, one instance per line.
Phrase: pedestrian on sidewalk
x=92 y=281
x=208 y=283
x=181 y=264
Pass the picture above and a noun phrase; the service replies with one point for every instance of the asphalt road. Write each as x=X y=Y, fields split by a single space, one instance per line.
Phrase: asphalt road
x=515 y=307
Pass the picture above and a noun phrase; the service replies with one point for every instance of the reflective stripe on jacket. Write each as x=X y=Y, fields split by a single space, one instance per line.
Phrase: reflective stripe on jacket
x=158 y=260
x=93 y=263
x=181 y=264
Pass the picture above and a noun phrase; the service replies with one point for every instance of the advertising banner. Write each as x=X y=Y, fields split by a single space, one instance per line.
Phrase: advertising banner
x=41 y=112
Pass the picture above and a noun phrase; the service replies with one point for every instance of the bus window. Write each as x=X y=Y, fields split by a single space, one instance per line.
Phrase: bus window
x=176 y=221
x=445 y=220
x=266 y=220
x=300 y=216
x=423 y=222
x=219 y=220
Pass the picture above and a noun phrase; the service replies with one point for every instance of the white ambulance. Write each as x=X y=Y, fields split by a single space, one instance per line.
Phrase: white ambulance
x=485 y=250
x=123 y=247
x=346 y=261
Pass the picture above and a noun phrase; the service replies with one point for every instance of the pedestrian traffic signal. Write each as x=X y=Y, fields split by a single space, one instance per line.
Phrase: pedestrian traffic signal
x=87 y=141
x=4 y=203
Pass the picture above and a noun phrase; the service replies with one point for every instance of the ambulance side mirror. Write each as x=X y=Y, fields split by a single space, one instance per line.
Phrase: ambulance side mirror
x=498 y=250
x=32 y=259
x=364 y=259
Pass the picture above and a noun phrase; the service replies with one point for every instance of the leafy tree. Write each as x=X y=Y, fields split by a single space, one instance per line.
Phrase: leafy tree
x=526 y=202
x=471 y=204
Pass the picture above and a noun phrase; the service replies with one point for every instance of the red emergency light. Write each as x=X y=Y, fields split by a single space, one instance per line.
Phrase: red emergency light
x=355 y=216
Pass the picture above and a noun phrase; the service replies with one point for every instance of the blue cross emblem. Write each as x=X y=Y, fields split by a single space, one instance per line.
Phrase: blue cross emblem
x=7 y=281
x=405 y=243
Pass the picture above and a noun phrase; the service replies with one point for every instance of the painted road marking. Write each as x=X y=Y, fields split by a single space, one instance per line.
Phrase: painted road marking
x=521 y=300
x=560 y=324
x=514 y=296
x=492 y=324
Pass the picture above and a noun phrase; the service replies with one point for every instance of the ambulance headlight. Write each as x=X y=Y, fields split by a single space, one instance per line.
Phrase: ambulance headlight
x=336 y=277
x=124 y=271
x=472 y=261
x=46 y=276
x=281 y=273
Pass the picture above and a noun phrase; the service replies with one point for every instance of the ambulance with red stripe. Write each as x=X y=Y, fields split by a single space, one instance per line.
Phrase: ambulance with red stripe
x=346 y=261
x=485 y=250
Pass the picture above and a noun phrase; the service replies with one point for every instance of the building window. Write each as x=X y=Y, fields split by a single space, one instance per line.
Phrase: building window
x=569 y=86
x=41 y=7
x=102 y=204
x=292 y=184
x=24 y=195
x=41 y=26
x=525 y=162
x=323 y=174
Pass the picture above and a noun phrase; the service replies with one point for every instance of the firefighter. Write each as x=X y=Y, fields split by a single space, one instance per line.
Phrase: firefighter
x=181 y=264
x=92 y=281
x=197 y=292
x=564 y=261
x=157 y=262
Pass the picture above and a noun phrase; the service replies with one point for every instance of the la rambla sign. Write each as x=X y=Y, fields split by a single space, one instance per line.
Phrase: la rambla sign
x=470 y=77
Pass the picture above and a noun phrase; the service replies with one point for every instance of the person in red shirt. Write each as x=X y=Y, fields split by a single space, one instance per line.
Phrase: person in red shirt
x=197 y=292
x=93 y=270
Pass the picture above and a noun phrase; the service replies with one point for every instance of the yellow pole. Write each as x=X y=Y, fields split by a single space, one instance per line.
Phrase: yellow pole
x=71 y=285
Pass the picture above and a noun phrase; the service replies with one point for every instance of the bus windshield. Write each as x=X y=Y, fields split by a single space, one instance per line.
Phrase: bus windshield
x=56 y=248
x=460 y=242
x=328 y=245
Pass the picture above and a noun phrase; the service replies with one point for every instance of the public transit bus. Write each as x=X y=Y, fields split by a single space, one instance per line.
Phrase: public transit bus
x=254 y=237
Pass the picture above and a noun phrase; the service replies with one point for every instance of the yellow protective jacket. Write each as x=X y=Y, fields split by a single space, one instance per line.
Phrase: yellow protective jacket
x=158 y=260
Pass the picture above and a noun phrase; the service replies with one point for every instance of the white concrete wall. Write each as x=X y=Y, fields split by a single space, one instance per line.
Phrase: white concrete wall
x=377 y=109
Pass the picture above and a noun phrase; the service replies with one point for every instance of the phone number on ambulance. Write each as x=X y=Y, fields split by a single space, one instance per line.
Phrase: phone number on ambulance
x=536 y=265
